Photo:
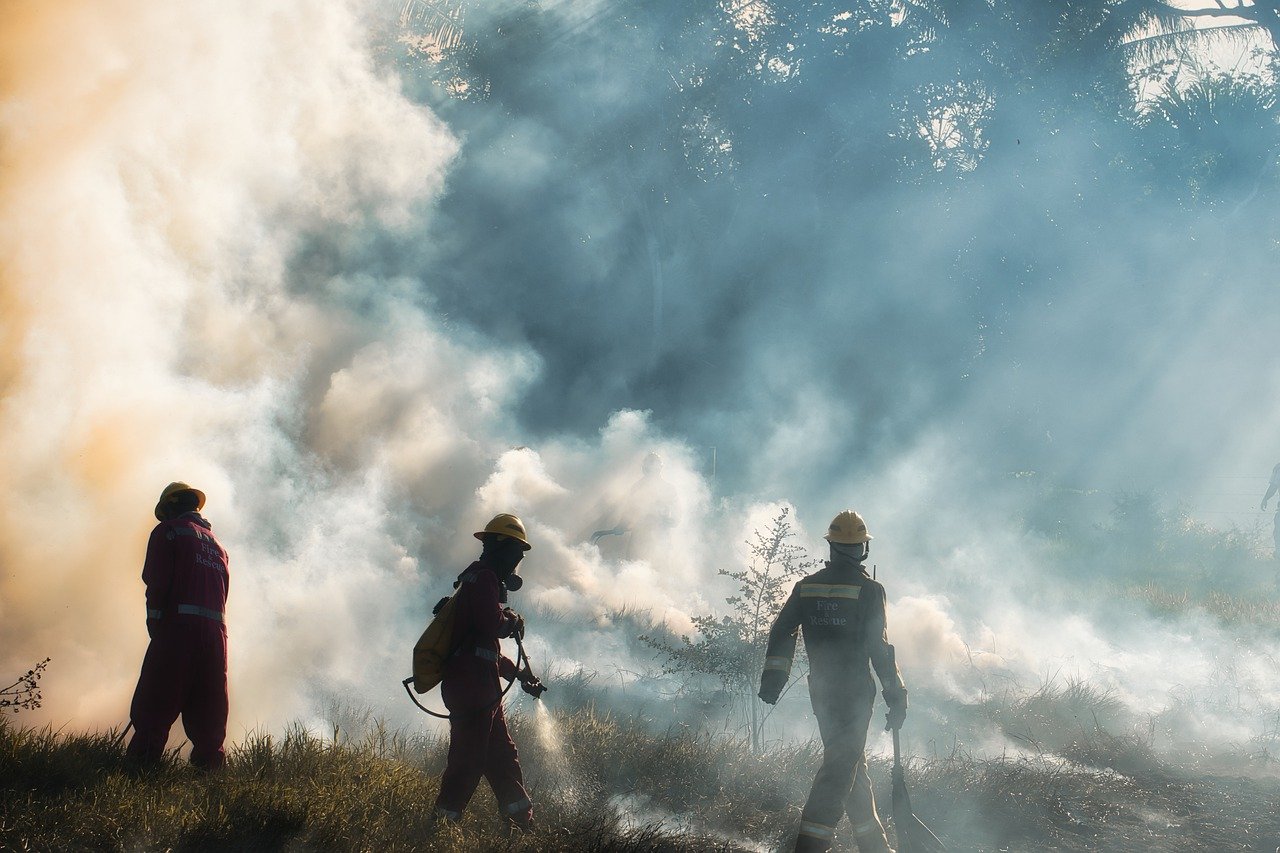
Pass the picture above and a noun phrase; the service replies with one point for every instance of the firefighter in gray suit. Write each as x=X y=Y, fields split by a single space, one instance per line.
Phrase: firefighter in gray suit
x=841 y=611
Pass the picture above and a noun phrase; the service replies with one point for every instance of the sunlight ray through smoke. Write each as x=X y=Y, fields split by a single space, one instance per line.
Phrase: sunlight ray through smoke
x=196 y=205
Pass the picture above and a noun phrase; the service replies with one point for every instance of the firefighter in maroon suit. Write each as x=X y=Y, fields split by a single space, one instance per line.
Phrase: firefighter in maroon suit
x=185 y=669
x=479 y=743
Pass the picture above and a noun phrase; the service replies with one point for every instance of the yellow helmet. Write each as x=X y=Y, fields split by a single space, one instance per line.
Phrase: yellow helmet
x=506 y=524
x=173 y=490
x=847 y=528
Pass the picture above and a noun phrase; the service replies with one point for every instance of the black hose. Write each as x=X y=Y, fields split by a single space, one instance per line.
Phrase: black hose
x=521 y=658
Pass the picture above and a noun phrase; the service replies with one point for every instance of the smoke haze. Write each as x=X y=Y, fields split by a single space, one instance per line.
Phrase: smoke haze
x=249 y=246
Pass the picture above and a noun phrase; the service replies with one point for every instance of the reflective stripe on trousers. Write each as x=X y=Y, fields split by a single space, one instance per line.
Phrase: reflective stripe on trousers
x=517 y=807
x=869 y=827
x=480 y=746
x=817 y=830
x=842 y=784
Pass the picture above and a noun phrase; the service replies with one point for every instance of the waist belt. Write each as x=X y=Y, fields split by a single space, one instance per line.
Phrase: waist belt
x=478 y=652
x=194 y=610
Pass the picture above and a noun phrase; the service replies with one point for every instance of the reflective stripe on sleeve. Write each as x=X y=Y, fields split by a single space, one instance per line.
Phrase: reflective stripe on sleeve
x=817 y=830
x=870 y=827
x=778 y=662
x=486 y=654
x=153 y=613
x=829 y=590
x=196 y=610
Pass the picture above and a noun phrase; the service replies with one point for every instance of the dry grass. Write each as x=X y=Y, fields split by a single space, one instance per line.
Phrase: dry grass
x=608 y=783
x=76 y=793
x=1253 y=609
x=1056 y=804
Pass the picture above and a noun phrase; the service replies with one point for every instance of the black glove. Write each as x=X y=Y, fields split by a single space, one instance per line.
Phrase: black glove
x=771 y=684
x=532 y=685
x=897 y=714
x=517 y=622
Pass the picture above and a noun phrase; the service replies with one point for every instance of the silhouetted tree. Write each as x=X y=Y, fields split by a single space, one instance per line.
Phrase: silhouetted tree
x=24 y=694
x=1207 y=21
x=730 y=648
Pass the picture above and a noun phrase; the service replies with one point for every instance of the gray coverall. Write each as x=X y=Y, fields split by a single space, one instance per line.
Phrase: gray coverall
x=841 y=611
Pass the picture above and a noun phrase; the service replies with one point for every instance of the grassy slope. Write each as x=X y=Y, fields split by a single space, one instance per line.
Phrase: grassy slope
x=603 y=784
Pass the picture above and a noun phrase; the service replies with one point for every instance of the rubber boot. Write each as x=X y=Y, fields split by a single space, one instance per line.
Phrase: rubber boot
x=872 y=838
x=441 y=819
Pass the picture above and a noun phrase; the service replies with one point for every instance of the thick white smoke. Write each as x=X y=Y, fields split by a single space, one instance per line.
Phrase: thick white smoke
x=162 y=166
x=167 y=171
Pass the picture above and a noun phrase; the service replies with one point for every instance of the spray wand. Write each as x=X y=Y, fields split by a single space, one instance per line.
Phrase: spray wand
x=529 y=683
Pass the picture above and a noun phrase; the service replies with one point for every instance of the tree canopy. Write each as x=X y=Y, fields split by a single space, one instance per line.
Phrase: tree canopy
x=691 y=168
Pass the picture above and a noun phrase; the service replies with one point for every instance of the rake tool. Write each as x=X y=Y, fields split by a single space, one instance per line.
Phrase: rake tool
x=913 y=835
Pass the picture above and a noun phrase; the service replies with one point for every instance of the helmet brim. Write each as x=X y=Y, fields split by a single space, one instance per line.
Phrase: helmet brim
x=827 y=536
x=168 y=496
x=480 y=534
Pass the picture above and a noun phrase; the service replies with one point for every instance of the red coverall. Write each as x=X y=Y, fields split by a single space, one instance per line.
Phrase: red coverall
x=479 y=744
x=185 y=668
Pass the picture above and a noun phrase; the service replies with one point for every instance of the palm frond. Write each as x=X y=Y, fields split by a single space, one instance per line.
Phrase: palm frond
x=434 y=26
x=1147 y=49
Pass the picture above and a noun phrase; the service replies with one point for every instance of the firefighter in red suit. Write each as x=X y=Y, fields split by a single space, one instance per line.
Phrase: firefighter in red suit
x=185 y=668
x=479 y=743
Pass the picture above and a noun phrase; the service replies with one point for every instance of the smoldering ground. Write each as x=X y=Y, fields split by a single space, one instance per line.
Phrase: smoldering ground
x=252 y=246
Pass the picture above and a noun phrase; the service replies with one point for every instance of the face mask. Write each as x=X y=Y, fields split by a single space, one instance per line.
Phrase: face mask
x=513 y=582
x=854 y=553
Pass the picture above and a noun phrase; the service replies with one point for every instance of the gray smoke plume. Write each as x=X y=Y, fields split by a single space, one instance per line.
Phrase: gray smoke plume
x=249 y=245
